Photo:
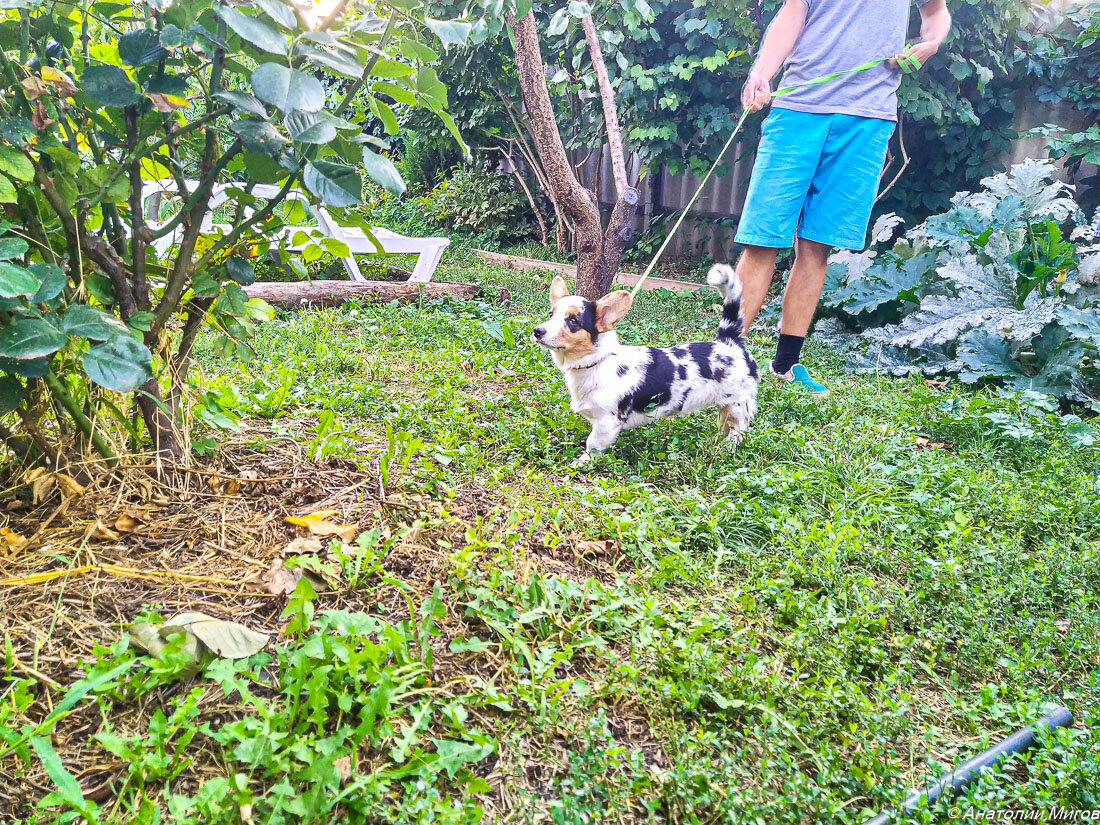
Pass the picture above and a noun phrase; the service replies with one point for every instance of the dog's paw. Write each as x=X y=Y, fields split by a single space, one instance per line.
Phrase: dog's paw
x=583 y=460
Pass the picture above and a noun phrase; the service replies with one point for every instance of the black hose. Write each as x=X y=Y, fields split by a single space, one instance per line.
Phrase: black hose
x=968 y=772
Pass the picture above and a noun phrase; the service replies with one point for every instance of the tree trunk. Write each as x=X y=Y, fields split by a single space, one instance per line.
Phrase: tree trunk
x=298 y=294
x=576 y=201
x=598 y=253
x=160 y=421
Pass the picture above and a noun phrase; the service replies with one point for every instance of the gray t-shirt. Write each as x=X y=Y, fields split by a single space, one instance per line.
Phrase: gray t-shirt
x=840 y=35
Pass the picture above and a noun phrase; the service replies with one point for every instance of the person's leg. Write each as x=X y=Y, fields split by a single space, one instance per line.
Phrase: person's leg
x=800 y=302
x=836 y=213
x=786 y=162
x=811 y=261
x=756 y=269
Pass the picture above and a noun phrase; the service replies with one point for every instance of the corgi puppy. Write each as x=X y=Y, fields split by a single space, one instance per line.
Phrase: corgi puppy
x=618 y=388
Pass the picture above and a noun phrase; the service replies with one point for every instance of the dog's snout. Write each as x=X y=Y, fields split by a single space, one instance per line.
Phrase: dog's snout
x=540 y=333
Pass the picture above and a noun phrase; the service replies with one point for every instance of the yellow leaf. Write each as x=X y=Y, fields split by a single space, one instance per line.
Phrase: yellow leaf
x=59 y=80
x=11 y=539
x=166 y=102
x=318 y=523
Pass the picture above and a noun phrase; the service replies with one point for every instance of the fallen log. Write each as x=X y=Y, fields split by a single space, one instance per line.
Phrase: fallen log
x=297 y=294
x=569 y=272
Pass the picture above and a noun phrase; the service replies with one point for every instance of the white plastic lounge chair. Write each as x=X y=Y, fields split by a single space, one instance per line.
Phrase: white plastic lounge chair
x=429 y=251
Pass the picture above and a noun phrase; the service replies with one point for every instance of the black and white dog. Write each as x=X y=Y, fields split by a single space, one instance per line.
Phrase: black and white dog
x=619 y=388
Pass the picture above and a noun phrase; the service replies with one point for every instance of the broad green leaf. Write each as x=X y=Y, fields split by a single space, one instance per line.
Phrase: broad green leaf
x=139 y=47
x=12 y=247
x=92 y=180
x=391 y=68
x=91 y=322
x=141 y=321
x=453 y=754
x=17 y=131
x=287 y=89
x=29 y=338
x=121 y=364
x=449 y=32
x=108 y=86
x=398 y=93
x=53 y=280
x=558 y=23
x=336 y=184
x=15 y=164
x=32 y=368
x=417 y=50
x=382 y=171
x=171 y=36
x=308 y=127
x=17 y=281
x=252 y=30
x=338 y=60
x=384 y=113
x=167 y=84
x=259 y=136
x=278 y=11
x=240 y=270
x=242 y=100
x=11 y=393
x=7 y=191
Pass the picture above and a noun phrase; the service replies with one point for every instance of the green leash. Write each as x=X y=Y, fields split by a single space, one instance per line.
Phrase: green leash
x=907 y=65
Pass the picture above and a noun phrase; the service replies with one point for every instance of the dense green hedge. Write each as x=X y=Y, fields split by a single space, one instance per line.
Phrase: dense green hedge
x=679 y=68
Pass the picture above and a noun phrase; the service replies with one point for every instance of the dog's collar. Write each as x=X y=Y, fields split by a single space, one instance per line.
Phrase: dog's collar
x=588 y=366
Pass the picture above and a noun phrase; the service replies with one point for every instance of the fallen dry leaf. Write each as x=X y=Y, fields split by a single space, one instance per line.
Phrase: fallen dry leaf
x=605 y=547
x=305 y=544
x=43 y=483
x=926 y=444
x=318 y=523
x=343 y=765
x=101 y=531
x=938 y=385
x=281 y=581
x=11 y=539
x=129 y=521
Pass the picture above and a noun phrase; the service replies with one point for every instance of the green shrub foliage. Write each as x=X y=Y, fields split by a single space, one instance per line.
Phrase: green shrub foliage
x=1003 y=287
x=210 y=102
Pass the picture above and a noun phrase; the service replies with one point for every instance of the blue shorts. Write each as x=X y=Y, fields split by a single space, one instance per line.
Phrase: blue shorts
x=816 y=176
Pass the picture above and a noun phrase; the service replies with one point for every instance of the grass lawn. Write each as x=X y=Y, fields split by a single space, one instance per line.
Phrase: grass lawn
x=864 y=592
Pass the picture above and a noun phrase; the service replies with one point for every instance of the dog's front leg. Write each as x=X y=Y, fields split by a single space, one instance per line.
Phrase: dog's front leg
x=604 y=434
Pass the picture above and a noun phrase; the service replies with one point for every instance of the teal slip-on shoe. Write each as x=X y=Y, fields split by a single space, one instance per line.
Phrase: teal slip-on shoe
x=799 y=376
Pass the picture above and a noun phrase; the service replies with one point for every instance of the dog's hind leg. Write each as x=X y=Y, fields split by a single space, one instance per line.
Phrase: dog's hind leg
x=734 y=419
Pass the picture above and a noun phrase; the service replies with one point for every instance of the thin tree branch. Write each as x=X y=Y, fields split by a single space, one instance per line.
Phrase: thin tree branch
x=904 y=157
x=610 y=109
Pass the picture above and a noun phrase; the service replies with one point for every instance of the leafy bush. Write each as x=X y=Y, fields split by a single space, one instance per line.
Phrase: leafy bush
x=472 y=201
x=100 y=102
x=1001 y=287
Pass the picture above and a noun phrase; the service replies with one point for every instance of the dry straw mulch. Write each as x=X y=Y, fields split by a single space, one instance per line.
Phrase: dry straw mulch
x=79 y=561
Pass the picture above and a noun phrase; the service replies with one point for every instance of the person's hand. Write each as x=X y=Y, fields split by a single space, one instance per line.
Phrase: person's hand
x=757 y=93
x=921 y=52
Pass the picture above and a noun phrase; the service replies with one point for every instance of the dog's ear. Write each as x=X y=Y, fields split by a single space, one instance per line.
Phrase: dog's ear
x=558 y=290
x=611 y=309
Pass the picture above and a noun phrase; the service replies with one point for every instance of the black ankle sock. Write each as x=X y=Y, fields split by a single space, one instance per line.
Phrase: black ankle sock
x=788 y=352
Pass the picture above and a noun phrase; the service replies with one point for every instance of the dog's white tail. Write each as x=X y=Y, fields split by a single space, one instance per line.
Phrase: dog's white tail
x=725 y=280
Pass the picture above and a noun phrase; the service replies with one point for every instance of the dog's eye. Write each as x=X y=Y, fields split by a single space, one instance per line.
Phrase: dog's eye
x=572 y=323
